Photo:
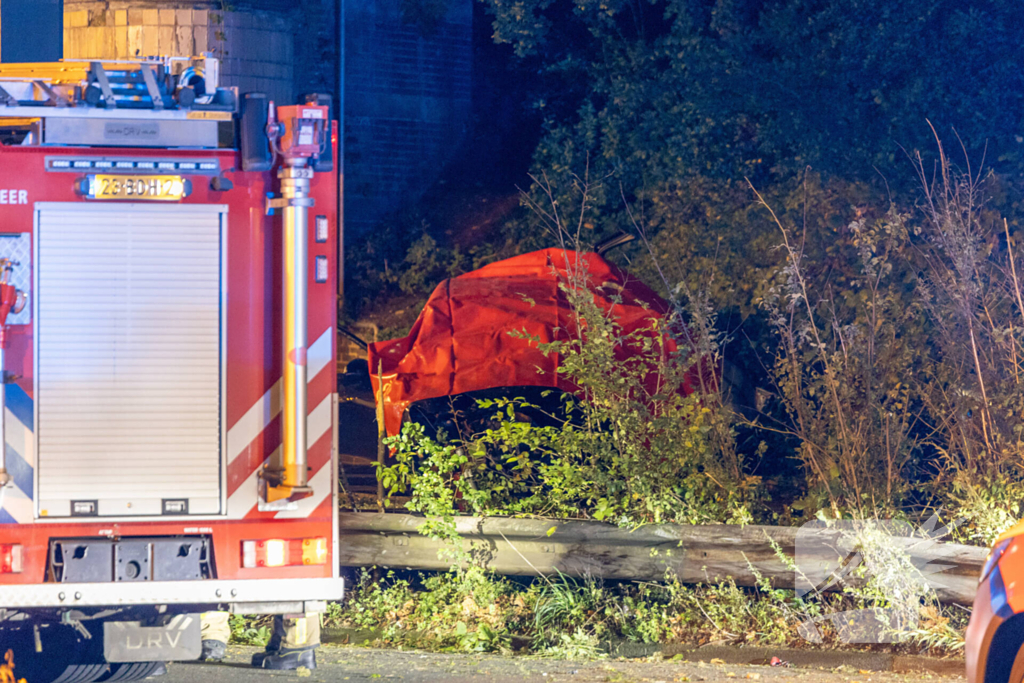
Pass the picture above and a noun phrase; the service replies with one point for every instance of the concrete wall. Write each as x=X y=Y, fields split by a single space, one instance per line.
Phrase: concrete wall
x=407 y=104
x=256 y=46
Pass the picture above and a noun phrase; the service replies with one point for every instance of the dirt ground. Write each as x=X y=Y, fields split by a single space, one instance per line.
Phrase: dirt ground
x=340 y=663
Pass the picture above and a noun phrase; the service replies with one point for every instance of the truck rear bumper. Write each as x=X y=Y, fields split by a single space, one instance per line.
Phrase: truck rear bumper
x=263 y=596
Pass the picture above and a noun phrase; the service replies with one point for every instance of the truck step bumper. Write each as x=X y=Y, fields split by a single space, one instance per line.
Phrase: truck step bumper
x=311 y=593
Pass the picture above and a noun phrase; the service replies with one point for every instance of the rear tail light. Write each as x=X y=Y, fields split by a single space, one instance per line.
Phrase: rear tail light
x=11 y=558
x=314 y=551
x=279 y=552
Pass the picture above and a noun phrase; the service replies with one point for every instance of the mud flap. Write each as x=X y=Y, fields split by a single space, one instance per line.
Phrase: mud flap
x=178 y=640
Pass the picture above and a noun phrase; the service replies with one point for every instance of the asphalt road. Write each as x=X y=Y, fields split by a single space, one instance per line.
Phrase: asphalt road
x=338 y=663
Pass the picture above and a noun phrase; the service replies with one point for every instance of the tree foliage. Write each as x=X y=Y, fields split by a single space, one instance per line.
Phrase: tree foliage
x=661 y=90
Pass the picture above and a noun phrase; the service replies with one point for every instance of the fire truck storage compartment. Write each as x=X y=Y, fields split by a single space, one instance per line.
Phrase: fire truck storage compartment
x=129 y=359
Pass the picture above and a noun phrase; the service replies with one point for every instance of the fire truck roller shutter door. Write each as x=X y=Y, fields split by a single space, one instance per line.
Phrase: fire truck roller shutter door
x=129 y=363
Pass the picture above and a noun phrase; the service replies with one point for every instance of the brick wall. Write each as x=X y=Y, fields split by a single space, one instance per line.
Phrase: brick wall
x=407 y=104
x=256 y=47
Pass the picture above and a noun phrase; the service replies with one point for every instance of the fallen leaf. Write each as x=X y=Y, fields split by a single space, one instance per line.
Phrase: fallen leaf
x=717 y=661
x=303 y=672
x=753 y=676
x=729 y=674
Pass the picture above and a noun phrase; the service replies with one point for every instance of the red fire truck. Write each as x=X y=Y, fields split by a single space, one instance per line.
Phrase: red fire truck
x=169 y=418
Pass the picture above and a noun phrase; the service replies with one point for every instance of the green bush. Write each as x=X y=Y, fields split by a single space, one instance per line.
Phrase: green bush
x=249 y=630
x=896 y=361
x=559 y=616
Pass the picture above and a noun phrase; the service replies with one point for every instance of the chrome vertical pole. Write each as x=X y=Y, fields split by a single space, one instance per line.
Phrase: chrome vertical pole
x=294 y=177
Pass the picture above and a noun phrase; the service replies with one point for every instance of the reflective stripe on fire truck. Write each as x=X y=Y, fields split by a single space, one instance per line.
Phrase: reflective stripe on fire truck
x=21 y=461
x=243 y=498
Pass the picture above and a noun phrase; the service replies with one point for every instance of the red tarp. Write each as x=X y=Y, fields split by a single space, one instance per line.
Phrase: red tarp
x=461 y=340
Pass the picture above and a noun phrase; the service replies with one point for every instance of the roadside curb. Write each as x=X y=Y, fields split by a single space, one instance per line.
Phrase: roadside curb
x=349 y=636
x=733 y=654
x=827 y=659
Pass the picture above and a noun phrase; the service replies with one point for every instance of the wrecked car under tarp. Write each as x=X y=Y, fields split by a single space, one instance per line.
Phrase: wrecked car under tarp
x=480 y=331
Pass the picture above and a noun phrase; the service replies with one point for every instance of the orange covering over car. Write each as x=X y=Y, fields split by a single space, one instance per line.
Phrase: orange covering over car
x=463 y=339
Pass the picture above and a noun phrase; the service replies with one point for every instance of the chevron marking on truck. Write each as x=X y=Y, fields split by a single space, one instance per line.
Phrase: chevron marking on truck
x=16 y=507
x=242 y=481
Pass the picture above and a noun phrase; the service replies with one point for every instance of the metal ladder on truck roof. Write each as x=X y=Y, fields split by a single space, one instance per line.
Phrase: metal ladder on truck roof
x=123 y=103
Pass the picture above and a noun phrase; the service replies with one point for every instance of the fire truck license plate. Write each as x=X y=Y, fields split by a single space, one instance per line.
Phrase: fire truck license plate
x=166 y=188
x=180 y=640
